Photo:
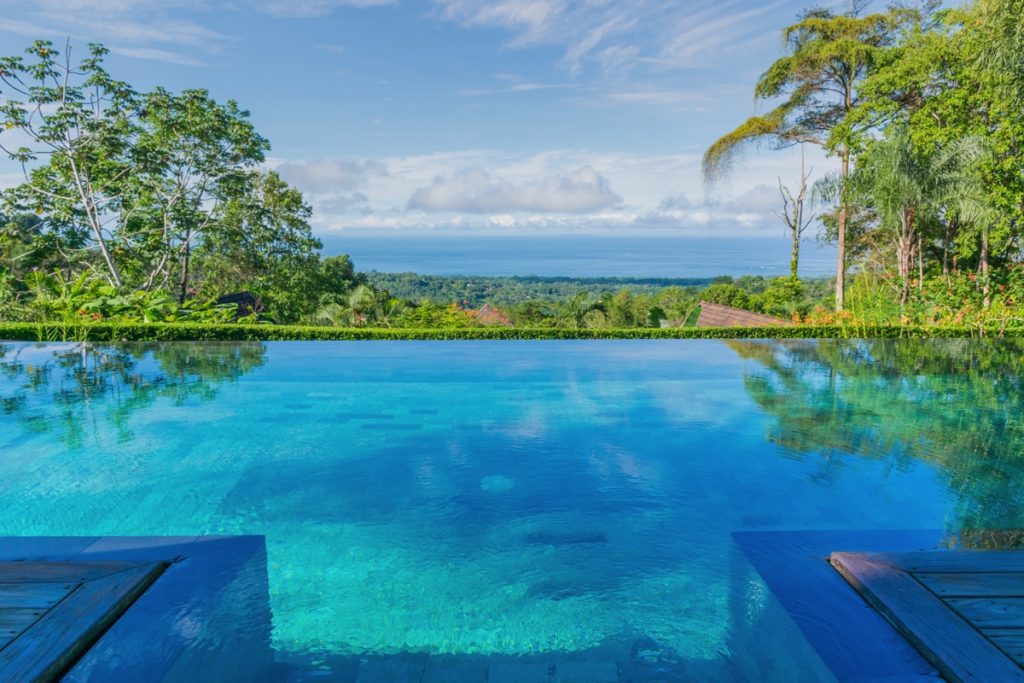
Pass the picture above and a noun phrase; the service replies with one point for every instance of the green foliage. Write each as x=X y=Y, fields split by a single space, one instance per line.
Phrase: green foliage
x=475 y=291
x=783 y=298
x=92 y=299
x=727 y=295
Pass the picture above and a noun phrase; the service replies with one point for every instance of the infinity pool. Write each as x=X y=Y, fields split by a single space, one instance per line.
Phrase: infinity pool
x=515 y=505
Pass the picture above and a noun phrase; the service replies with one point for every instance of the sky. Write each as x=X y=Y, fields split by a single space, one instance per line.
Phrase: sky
x=508 y=116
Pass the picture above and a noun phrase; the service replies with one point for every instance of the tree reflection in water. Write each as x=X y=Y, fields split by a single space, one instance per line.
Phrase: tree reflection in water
x=957 y=404
x=67 y=387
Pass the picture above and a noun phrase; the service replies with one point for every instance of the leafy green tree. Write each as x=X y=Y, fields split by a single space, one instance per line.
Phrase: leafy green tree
x=264 y=244
x=727 y=295
x=80 y=121
x=194 y=162
x=129 y=183
x=1001 y=52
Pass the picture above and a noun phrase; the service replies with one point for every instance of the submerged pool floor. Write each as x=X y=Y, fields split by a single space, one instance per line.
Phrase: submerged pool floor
x=522 y=503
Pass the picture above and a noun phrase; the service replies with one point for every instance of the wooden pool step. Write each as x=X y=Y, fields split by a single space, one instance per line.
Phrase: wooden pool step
x=962 y=610
x=52 y=612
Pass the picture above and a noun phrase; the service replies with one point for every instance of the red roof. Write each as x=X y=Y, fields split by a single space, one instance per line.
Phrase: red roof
x=717 y=315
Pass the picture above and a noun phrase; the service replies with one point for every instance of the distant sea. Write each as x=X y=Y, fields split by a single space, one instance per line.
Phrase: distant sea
x=580 y=255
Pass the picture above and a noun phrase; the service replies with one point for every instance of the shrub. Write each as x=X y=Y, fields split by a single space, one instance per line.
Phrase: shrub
x=123 y=332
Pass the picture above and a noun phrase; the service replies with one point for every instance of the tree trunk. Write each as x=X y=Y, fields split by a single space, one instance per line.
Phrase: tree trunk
x=841 y=233
x=945 y=250
x=983 y=266
x=794 y=259
x=920 y=263
x=183 y=279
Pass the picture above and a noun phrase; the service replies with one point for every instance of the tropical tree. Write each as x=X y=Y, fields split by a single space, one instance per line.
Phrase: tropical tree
x=826 y=57
x=1002 y=51
x=900 y=185
x=574 y=310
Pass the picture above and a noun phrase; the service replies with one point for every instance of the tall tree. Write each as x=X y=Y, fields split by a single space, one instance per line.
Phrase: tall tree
x=193 y=157
x=79 y=121
x=826 y=56
x=131 y=181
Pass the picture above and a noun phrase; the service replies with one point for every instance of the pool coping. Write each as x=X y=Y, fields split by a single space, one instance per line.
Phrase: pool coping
x=853 y=640
x=209 y=611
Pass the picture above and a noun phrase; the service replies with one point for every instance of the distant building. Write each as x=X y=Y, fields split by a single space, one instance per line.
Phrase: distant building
x=717 y=315
x=489 y=315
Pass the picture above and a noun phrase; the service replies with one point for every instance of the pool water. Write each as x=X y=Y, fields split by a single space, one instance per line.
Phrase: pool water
x=515 y=504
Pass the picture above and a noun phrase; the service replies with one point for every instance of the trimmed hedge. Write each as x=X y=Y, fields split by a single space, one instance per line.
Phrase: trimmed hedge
x=117 y=332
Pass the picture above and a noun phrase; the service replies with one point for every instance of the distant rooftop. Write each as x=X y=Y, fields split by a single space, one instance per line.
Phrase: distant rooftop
x=717 y=315
x=489 y=315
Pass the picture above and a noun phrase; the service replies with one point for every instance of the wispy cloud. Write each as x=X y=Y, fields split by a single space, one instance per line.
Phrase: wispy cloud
x=132 y=27
x=515 y=88
x=313 y=8
x=619 y=36
x=330 y=48
x=157 y=55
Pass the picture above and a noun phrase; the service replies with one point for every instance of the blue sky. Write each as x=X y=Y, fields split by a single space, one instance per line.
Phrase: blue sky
x=467 y=115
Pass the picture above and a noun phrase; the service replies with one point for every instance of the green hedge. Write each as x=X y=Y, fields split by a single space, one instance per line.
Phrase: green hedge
x=107 y=332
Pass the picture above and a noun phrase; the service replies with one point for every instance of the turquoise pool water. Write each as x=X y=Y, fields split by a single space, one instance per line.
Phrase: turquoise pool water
x=510 y=504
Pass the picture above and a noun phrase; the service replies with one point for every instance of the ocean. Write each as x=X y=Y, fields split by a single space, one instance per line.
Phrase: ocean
x=580 y=255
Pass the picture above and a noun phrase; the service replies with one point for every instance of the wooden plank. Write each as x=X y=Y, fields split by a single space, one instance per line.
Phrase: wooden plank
x=974 y=584
x=19 y=618
x=990 y=612
x=1009 y=640
x=987 y=561
x=64 y=633
x=953 y=646
x=54 y=572
x=42 y=595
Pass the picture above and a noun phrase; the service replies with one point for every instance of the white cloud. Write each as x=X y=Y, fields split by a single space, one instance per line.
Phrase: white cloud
x=327 y=176
x=581 y=190
x=490 y=190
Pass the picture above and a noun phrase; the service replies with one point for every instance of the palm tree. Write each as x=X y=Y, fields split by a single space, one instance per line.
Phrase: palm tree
x=966 y=197
x=1002 y=50
x=826 y=56
x=356 y=310
x=576 y=308
x=900 y=184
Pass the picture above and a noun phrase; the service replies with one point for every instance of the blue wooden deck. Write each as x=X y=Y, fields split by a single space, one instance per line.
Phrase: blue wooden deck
x=51 y=613
x=963 y=610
